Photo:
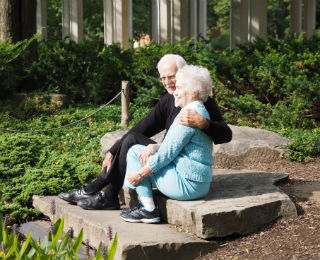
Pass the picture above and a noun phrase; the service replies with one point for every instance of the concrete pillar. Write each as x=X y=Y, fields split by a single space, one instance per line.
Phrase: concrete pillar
x=164 y=22
x=257 y=19
x=76 y=20
x=309 y=17
x=118 y=22
x=179 y=20
x=173 y=20
x=193 y=29
x=155 y=20
x=296 y=16
x=238 y=22
x=42 y=19
x=248 y=19
x=65 y=18
x=72 y=20
x=202 y=18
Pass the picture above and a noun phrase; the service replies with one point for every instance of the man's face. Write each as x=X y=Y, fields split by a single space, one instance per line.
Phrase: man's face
x=167 y=73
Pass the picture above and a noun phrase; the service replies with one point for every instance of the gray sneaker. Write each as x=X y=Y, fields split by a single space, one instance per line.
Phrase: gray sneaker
x=140 y=214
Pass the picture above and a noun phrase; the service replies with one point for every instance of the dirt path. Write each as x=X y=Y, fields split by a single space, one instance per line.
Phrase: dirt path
x=297 y=238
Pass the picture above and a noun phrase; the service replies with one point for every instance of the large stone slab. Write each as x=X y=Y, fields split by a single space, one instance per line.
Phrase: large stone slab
x=248 y=145
x=238 y=203
x=135 y=240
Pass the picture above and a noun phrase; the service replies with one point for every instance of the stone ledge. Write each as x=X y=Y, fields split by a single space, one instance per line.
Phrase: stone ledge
x=239 y=202
x=135 y=240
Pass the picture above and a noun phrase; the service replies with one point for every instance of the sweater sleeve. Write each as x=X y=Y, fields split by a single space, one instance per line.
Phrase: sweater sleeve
x=218 y=130
x=152 y=124
x=176 y=139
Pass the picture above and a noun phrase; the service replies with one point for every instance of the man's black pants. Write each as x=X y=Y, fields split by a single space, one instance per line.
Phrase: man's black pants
x=115 y=174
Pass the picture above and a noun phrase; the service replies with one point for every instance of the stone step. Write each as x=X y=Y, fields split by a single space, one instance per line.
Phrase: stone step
x=239 y=202
x=135 y=240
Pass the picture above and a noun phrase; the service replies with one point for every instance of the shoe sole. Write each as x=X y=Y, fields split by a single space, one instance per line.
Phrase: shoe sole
x=108 y=208
x=70 y=201
x=143 y=220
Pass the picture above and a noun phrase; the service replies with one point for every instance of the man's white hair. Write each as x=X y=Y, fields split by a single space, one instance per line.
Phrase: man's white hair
x=180 y=62
x=195 y=79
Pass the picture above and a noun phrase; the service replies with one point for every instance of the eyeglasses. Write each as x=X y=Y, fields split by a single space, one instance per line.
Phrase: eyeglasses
x=170 y=77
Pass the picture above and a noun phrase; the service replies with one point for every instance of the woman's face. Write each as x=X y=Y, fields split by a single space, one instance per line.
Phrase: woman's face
x=183 y=95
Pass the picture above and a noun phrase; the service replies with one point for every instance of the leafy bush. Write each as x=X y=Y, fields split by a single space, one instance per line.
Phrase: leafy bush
x=12 y=57
x=54 y=246
x=52 y=161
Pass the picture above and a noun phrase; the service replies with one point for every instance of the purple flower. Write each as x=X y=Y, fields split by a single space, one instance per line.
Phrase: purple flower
x=53 y=207
x=5 y=222
x=71 y=232
x=3 y=247
x=87 y=248
x=103 y=250
x=14 y=229
x=51 y=228
x=110 y=233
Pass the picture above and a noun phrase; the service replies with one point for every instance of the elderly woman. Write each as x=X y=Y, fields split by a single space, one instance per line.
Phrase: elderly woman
x=181 y=167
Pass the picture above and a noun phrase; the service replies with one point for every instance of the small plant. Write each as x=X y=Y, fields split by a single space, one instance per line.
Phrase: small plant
x=54 y=246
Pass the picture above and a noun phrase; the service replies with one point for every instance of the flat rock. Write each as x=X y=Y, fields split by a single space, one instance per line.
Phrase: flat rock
x=306 y=191
x=248 y=145
x=239 y=202
x=135 y=240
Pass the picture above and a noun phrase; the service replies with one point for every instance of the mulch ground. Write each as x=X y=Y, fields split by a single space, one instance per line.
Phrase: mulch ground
x=295 y=238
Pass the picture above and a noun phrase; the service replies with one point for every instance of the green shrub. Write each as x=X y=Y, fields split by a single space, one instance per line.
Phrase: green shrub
x=54 y=246
x=12 y=57
x=53 y=161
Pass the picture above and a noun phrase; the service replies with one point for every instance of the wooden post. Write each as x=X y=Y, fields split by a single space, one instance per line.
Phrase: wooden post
x=125 y=103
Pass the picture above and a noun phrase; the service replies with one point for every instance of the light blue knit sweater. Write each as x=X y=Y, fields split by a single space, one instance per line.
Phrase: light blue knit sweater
x=188 y=148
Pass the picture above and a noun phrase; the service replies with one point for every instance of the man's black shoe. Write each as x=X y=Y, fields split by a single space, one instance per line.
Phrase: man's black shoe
x=74 y=196
x=99 y=201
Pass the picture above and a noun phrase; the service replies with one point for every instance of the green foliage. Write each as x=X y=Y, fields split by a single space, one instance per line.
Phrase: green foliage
x=11 y=57
x=278 y=18
x=54 y=19
x=305 y=143
x=141 y=10
x=54 y=246
x=54 y=161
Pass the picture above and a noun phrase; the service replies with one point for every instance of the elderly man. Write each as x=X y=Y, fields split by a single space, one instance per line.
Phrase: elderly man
x=160 y=118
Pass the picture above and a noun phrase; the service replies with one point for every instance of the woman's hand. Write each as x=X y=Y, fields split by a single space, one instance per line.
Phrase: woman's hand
x=134 y=178
x=146 y=152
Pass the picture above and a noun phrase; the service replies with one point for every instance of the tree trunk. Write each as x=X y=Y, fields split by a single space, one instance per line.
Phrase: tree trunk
x=10 y=20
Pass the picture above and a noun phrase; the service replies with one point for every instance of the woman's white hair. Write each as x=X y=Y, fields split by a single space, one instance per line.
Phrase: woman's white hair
x=195 y=79
x=180 y=62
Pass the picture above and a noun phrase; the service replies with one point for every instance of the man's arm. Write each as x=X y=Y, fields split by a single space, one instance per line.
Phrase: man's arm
x=216 y=128
x=152 y=124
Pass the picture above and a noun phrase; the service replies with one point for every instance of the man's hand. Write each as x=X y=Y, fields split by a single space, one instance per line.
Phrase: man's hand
x=107 y=161
x=134 y=178
x=146 y=152
x=192 y=118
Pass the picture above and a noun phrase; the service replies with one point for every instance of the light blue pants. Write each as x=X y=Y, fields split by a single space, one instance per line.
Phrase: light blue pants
x=168 y=181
